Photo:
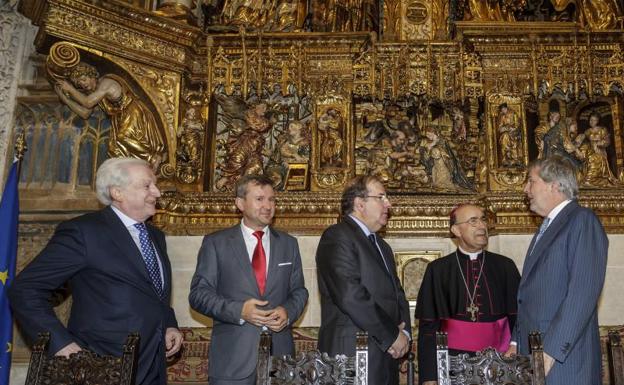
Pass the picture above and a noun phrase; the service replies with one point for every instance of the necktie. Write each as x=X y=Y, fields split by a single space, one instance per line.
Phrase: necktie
x=373 y=240
x=149 y=257
x=541 y=231
x=258 y=262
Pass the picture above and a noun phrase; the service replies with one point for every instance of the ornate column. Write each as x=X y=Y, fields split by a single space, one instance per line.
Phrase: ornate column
x=15 y=38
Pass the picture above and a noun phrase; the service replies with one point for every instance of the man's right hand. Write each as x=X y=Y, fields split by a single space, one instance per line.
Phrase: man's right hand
x=400 y=345
x=69 y=349
x=253 y=315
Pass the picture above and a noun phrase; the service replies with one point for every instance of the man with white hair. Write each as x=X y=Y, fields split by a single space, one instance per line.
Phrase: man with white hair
x=118 y=272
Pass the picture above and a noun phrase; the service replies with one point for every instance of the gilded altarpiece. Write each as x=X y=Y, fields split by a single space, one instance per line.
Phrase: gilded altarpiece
x=445 y=102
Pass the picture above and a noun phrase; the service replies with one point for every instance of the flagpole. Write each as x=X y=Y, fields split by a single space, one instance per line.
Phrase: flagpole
x=20 y=149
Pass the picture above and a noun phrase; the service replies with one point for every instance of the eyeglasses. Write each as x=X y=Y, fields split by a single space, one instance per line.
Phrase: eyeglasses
x=381 y=197
x=474 y=221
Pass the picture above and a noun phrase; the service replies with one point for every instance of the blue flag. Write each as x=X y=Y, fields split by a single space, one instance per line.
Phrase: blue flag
x=9 y=210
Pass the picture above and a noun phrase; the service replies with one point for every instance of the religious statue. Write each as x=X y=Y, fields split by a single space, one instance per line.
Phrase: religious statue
x=595 y=171
x=293 y=147
x=487 y=10
x=441 y=163
x=331 y=128
x=459 y=123
x=554 y=140
x=134 y=132
x=244 y=147
x=345 y=15
x=510 y=137
x=189 y=147
x=265 y=15
x=593 y=14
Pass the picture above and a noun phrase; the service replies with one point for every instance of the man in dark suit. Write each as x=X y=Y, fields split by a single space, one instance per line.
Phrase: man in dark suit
x=359 y=287
x=249 y=279
x=562 y=277
x=118 y=271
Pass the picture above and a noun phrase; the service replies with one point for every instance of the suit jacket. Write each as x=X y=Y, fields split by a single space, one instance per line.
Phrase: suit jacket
x=112 y=292
x=558 y=295
x=358 y=293
x=224 y=280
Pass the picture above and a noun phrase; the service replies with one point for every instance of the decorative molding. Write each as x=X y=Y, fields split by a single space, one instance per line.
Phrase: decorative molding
x=75 y=25
x=12 y=36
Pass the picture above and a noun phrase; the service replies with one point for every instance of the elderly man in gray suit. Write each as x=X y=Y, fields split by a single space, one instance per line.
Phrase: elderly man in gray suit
x=248 y=279
x=562 y=277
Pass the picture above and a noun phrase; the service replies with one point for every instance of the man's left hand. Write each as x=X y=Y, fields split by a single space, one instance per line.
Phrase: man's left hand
x=548 y=363
x=173 y=341
x=279 y=319
x=512 y=351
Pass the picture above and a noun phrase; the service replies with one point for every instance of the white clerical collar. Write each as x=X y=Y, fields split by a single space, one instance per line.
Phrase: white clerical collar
x=472 y=256
x=554 y=212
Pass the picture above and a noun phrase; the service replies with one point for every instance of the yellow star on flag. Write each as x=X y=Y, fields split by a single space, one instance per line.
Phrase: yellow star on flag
x=3 y=276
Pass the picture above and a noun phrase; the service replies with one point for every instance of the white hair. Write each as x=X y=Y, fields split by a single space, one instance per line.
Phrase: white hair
x=113 y=172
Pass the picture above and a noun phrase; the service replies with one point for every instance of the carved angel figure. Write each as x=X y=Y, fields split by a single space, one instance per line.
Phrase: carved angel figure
x=134 y=132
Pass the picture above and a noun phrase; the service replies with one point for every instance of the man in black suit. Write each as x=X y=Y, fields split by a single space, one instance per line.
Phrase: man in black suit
x=118 y=271
x=359 y=287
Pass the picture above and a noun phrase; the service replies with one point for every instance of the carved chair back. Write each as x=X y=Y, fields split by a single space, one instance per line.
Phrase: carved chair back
x=313 y=367
x=488 y=367
x=84 y=367
x=616 y=358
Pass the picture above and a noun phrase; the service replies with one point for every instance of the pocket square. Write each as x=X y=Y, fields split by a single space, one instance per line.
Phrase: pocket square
x=284 y=264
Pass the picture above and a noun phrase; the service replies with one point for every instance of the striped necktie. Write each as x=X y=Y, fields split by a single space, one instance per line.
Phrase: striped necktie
x=541 y=231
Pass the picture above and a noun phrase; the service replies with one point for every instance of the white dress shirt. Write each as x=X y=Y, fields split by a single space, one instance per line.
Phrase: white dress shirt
x=251 y=242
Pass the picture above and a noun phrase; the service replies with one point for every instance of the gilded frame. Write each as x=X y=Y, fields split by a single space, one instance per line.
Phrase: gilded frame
x=403 y=261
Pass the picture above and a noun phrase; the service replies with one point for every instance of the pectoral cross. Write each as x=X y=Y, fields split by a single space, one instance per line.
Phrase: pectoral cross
x=473 y=310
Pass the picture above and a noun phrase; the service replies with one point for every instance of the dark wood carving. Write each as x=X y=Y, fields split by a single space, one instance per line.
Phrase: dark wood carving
x=616 y=358
x=312 y=367
x=489 y=367
x=84 y=367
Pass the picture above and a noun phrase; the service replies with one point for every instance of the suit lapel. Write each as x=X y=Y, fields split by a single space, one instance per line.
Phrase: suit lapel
x=372 y=252
x=274 y=254
x=122 y=239
x=535 y=252
x=241 y=255
x=161 y=249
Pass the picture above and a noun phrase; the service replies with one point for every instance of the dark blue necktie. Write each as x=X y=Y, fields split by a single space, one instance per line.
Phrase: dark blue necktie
x=149 y=257
x=373 y=240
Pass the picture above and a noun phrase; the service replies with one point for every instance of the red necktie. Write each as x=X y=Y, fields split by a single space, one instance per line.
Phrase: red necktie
x=258 y=262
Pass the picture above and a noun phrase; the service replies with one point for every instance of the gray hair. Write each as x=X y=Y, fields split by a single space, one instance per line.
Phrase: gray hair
x=560 y=170
x=113 y=172
x=256 y=180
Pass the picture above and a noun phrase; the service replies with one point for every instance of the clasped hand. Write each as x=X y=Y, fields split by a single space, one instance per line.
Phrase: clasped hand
x=275 y=319
x=400 y=346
